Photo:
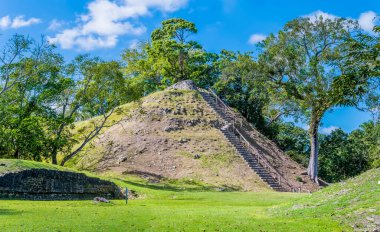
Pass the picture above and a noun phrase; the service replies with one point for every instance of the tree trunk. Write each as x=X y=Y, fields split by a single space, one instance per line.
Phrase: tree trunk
x=312 y=169
x=16 y=154
x=92 y=135
x=54 y=156
x=272 y=120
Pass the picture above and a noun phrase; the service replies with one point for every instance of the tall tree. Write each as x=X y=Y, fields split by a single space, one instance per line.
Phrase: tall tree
x=170 y=57
x=306 y=65
x=342 y=156
x=28 y=71
x=366 y=140
x=294 y=142
x=17 y=54
x=239 y=85
x=139 y=70
x=367 y=49
x=41 y=99
x=95 y=89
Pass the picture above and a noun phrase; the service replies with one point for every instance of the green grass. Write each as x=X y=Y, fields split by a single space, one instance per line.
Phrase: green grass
x=355 y=202
x=12 y=165
x=171 y=211
x=177 y=206
x=15 y=165
x=183 y=205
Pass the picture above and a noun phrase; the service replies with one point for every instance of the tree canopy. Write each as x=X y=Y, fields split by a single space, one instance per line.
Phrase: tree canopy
x=170 y=57
x=42 y=97
x=307 y=65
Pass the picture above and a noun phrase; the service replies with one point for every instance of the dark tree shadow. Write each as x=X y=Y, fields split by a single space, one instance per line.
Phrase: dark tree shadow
x=193 y=188
x=9 y=212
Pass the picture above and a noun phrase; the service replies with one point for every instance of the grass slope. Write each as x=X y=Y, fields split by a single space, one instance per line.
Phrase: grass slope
x=12 y=165
x=355 y=202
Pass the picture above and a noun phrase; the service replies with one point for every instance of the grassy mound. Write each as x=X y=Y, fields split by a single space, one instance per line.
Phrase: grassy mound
x=13 y=165
x=166 y=135
x=355 y=202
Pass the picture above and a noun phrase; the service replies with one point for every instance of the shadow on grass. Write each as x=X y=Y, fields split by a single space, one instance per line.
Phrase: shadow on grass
x=189 y=188
x=8 y=212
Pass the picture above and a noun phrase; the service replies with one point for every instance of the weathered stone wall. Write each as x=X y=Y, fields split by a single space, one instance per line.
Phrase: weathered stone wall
x=41 y=184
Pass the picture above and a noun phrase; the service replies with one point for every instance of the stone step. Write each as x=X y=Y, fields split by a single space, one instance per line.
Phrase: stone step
x=240 y=148
x=258 y=170
x=267 y=177
x=256 y=167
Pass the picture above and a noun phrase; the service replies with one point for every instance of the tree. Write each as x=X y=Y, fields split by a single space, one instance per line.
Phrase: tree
x=342 y=156
x=239 y=86
x=366 y=140
x=306 y=64
x=19 y=52
x=140 y=72
x=345 y=155
x=367 y=49
x=28 y=70
x=42 y=98
x=95 y=89
x=294 y=142
x=170 y=57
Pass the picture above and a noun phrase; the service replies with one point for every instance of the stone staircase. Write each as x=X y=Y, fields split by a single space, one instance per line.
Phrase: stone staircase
x=252 y=162
x=235 y=133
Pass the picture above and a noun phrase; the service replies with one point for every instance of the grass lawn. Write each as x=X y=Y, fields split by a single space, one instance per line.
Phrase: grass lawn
x=163 y=210
x=184 y=205
x=186 y=211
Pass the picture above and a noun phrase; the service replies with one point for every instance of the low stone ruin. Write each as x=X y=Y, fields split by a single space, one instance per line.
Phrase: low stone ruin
x=42 y=184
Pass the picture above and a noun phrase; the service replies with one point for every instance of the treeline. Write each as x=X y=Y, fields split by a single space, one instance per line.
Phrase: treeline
x=41 y=97
x=303 y=71
x=341 y=155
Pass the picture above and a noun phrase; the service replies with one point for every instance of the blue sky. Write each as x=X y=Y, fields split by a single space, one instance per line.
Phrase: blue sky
x=106 y=27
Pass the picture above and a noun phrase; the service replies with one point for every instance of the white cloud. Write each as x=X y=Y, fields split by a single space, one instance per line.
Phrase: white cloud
x=256 y=38
x=322 y=130
x=314 y=16
x=19 y=21
x=328 y=130
x=106 y=20
x=55 y=25
x=7 y=22
x=367 y=20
